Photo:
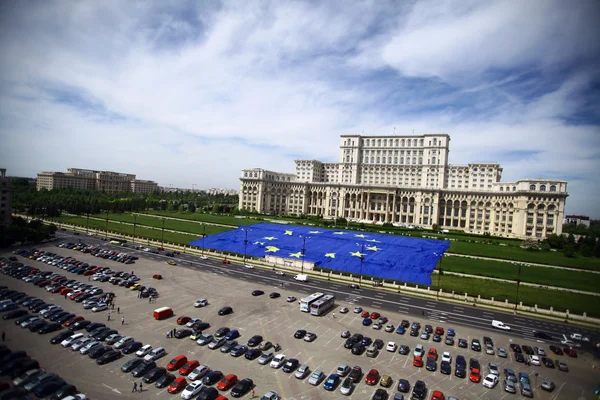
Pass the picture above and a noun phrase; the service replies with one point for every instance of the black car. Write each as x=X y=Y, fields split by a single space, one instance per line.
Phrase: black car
x=66 y=390
x=58 y=315
x=208 y=393
x=548 y=362
x=542 y=335
x=404 y=349
x=419 y=391
x=460 y=372
x=242 y=387
x=165 y=380
x=132 y=347
x=253 y=354
x=102 y=335
x=60 y=337
x=23 y=366
x=131 y=364
x=445 y=368
x=556 y=350
x=222 y=332
x=110 y=355
x=355 y=374
x=274 y=295
x=228 y=346
x=13 y=364
x=212 y=377
x=300 y=333
x=36 y=325
x=79 y=325
x=462 y=343
x=183 y=333
x=519 y=357
x=257 y=293
x=431 y=364
x=290 y=365
x=225 y=310
x=358 y=349
x=19 y=321
x=65 y=318
x=380 y=394
x=154 y=374
x=475 y=345
x=200 y=326
x=94 y=325
x=51 y=327
x=15 y=314
x=403 y=386
x=48 y=388
x=97 y=351
x=143 y=368
x=255 y=341
x=474 y=363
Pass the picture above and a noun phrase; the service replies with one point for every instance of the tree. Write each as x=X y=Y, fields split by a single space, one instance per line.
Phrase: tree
x=571 y=240
x=597 y=249
x=191 y=207
x=215 y=209
x=569 y=251
x=181 y=208
x=555 y=241
x=530 y=244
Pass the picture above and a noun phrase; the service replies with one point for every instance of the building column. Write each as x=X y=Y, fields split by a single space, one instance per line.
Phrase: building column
x=387 y=207
x=394 y=207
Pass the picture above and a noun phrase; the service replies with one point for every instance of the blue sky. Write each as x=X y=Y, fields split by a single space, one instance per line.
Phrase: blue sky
x=192 y=92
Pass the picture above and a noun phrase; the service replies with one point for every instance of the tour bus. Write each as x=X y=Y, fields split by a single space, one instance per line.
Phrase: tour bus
x=322 y=305
x=306 y=302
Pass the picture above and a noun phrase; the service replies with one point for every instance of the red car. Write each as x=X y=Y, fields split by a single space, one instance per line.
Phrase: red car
x=437 y=395
x=88 y=273
x=189 y=367
x=57 y=289
x=432 y=354
x=475 y=376
x=44 y=283
x=177 y=363
x=73 y=320
x=439 y=331
x=418 y=362
x=73 y=295
x=157 y=276
x=372 y=377
x=375 y=315
x=183 y=320
x=226 y=261
x=365 y=314
x=570 y=352
x=65 y=290
x=177 y=385
x=227 y=382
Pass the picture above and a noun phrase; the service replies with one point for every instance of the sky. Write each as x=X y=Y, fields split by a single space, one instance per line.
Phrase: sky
x=190 y=93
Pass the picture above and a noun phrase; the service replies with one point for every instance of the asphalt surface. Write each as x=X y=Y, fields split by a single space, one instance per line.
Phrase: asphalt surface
x=450 y=313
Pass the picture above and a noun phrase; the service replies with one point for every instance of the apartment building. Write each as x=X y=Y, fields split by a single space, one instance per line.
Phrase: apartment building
x=5 y=199
x=408 y=181
x=85 y=179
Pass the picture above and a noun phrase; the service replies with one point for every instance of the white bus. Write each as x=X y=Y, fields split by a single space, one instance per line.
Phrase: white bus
x=306 y=302
x=321 y=306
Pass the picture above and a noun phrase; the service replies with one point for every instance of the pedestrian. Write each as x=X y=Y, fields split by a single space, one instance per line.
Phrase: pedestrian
x=168 y=333
x=88 y=278
x=253 y=393
x=113 y=306
x=118 y=310
x=3 y=336
x=131 y=272
x=149 y=299
x=422 y=313
x=134 y=387
x=333 y=315
x=173 y=334
x=123 y=323
x=141 y=388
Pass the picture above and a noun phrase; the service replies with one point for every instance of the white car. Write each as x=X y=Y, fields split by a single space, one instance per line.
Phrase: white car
x=446 y=357
x=271 y=396
x=123 y=342
x=78 y=344
x=203 y=258
x=144 y=350
x=489 y=349
x=419 y=351
x=278 y=361
x=201 y=303
x=535 y=360
x=280 y=273
x=541 y=351
x=249 y=266
x=291 y=299
x=391 y=346
x=343 y=310
x=68 y=341
x=357 y=310
x=316 y=377
x=155 y=354
x=192 y=390
x=199 y=372
x=100 y=307
x=490 y=381
x=78 y=396
x=192 y=321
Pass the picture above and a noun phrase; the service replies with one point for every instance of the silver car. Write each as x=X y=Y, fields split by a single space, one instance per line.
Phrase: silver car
x=509 y=386
x=89 y=347
x=78 y=344
x=302 y=371
x=265 y=358
x=205 y=339
x=216 y=343
x=316 y=377
x=199 y=372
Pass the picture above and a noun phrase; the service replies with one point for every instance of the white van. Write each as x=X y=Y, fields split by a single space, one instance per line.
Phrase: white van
x=500 y=325
x=301 y=277
x=155 y=354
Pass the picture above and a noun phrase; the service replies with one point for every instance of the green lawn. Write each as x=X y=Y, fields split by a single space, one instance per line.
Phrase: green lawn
x=209 y=218
x=579 y=280
x=519 y=254
x=181 y=226
x=544 y=298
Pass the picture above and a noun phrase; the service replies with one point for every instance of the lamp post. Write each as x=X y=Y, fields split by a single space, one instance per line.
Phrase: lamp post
x=134 y=221
x=303 y=251
x=362 y=257
x=106 y=229
x=203 y=236
x=518 y=283
x=245 y=245
x=439 y=275
x=162 y=239
x=87 y=225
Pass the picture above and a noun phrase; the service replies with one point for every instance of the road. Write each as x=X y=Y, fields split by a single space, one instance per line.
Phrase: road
x=371 y=298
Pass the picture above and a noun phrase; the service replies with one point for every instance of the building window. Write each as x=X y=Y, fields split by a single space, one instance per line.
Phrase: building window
x=542 y=188
x=531 y=187
x=553 y=188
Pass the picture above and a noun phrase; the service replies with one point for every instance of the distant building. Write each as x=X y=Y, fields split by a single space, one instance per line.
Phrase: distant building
x=408 y=181
x=85 y=179
x=227 y=192
x=5 y=198
x=577 y=220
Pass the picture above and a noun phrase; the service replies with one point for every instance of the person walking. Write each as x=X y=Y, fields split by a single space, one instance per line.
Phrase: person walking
x=112 y=304
x=141 y=387
x=3 y=336
x=118 y=310
x=108 y=318
x=123 y=323
x=168 y=333
x=173 y=334
x=134 y=387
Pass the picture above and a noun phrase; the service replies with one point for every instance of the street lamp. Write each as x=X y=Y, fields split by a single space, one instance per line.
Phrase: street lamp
x=439 y=275
x=362 y=257
x=518 y=283
x=303 y=251
x=203 y=236
x=87 y=226
x=245 y=244
x=162 y=240
x=134 y=221
x=106 y=229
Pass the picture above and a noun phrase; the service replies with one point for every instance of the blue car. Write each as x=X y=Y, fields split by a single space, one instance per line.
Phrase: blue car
x=450 y=332
x=331 y=382
x=400 y=330
x=232 y=334
x=367 y=321
x=366 y=341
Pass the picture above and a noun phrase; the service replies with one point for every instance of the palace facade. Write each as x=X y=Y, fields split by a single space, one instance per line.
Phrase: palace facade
x=407 y=181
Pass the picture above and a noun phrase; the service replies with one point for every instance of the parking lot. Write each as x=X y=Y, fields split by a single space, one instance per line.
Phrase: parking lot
x=276 y=320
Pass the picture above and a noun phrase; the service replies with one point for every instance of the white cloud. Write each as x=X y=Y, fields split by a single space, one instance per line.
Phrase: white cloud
x=195 y=94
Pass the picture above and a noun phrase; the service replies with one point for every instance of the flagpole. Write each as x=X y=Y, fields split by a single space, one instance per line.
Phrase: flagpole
x=303 y=251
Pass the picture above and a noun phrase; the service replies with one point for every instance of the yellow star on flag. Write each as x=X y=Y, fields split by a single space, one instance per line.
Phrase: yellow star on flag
x=356 y=254
x=339 y=233
x=270 y=238
x=297 y=255
x=330 y=255
x=374 y=248
x=289 y=233
x=313 y=232
x=373 y=241
x=272 y=249
x=360 y=236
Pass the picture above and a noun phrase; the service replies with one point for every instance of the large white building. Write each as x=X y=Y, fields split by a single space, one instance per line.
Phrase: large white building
x=407 y=181
x=85 y=179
